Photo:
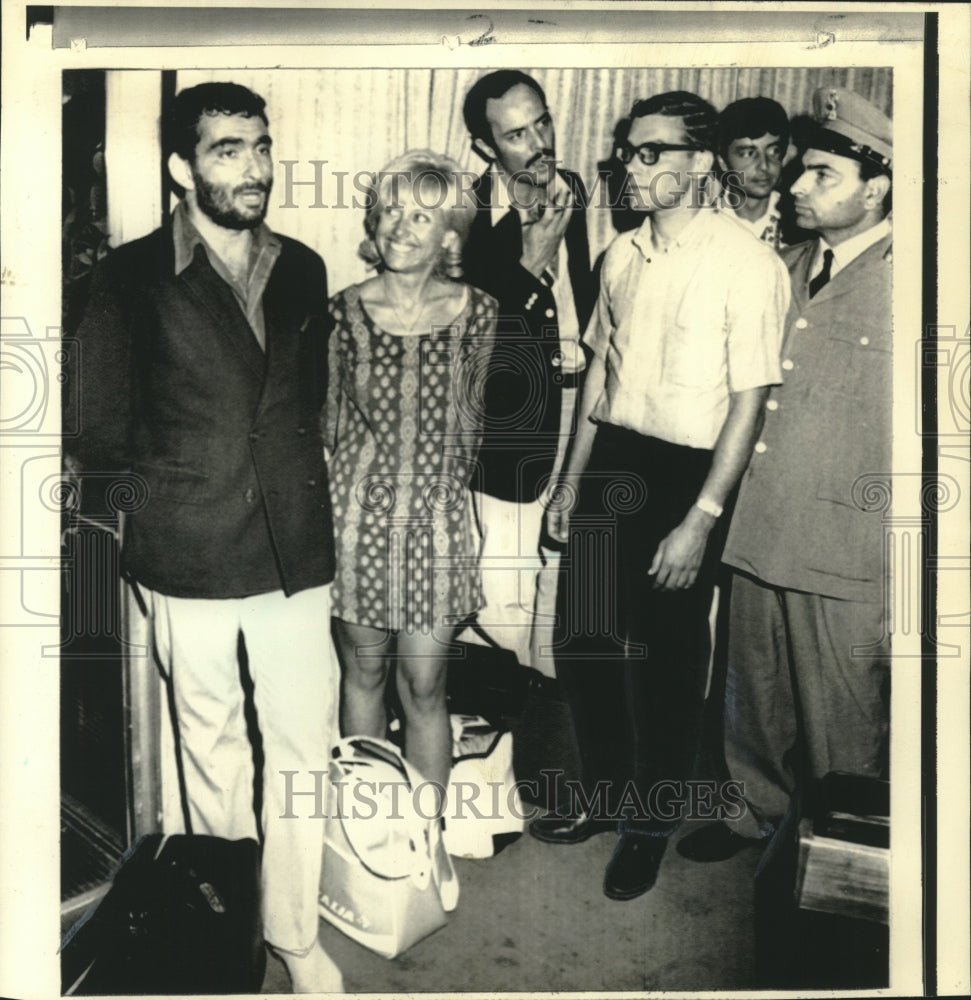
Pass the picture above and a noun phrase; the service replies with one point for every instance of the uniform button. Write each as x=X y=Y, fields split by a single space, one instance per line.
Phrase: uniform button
x=864 y=341
x=311 y=482
x=301 y=430
x=760 y=447
x=249 y=496
x=772 y=404
x=802 y=323
x=254 y=436
x=787 y=365
x=549 y=314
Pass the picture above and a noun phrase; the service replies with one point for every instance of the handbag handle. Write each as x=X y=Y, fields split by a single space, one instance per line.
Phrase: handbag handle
x=357 y=756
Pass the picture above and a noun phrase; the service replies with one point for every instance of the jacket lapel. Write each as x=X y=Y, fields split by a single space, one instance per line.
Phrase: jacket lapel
x=506 y=240
x=578 y=254
x=844 y=282
x=219 y=302
x=800 y=261
x=280 y=306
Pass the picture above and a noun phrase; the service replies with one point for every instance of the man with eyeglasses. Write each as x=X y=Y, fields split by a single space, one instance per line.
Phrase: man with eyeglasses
x=808 y=681
x=528 y=248
x=752 y=143
x=685 y=343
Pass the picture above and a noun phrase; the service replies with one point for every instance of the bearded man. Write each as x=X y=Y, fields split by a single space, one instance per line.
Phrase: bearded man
x=203 y=369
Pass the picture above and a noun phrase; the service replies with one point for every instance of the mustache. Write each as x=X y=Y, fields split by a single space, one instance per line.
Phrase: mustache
x=252 y=188
x=543 y=154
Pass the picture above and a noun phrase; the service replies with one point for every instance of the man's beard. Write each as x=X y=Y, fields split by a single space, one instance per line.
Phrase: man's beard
x=215 y=203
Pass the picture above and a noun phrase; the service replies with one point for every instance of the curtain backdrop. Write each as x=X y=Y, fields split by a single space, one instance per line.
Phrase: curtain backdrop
x=360 y=119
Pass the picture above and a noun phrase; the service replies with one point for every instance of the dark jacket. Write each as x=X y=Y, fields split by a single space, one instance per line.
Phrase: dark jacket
x=522 y=393
x=232 y=498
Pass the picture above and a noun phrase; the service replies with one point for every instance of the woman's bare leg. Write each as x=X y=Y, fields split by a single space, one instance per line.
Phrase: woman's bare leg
x=364 y=657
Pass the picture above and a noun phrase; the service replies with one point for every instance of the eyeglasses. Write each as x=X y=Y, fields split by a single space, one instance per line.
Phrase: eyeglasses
x=648 y=152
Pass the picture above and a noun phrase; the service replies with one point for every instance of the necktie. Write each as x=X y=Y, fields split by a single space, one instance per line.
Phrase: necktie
x=824 y=274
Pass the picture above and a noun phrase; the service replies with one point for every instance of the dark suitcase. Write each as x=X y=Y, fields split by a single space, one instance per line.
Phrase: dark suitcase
x=182 y=916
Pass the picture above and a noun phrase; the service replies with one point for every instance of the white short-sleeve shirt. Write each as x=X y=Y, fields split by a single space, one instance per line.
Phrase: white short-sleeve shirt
x=680 y=329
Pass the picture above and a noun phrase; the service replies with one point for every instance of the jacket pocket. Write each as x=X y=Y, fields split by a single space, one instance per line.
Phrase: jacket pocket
x=175 y=483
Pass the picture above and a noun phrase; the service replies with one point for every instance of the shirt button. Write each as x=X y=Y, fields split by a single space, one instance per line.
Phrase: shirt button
x=802 y=323
x=254 y=436
x=760 y=447
x=549 y=314
x=311 y=482
x=301 y=430
x=249 y=496
x=864 y=341
x=788 y=365
x=772 y=404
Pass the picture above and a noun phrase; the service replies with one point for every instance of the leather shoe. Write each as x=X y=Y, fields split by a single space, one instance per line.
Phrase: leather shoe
x=715 y=842
x=559 y=829
x=633 y=866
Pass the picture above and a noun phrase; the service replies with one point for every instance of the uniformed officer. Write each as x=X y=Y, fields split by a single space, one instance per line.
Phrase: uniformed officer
x=808 y=684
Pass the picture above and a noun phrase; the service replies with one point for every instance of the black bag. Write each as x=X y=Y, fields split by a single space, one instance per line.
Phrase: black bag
x=491 y=682
x=182 y=916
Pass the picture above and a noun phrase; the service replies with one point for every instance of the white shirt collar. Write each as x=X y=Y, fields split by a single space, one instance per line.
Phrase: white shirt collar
x=771 y=209
x=693 y=231
x=846 y=252
x=500 y=195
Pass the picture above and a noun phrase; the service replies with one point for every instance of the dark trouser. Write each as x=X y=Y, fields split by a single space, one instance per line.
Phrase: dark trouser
x=807 y=693
x=633 y=660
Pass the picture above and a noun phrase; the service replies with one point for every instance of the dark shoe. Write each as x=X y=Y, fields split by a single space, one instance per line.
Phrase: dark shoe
x=632 y=868
x=557 y=829
x=715 y=842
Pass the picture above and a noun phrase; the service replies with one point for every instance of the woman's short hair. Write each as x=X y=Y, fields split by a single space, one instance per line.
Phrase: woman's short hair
x=415 y=167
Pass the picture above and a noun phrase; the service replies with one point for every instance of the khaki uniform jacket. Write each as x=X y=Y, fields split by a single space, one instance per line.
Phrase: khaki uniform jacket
x=809 y=516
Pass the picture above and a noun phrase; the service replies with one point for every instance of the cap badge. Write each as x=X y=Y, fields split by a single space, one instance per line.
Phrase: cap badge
x=831 y=112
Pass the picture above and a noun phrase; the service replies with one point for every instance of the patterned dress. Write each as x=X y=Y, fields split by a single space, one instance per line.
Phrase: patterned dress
x=404 y=421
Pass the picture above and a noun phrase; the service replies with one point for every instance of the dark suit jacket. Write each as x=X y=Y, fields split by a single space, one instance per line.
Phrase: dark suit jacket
x=523 y=389
x=233 y=498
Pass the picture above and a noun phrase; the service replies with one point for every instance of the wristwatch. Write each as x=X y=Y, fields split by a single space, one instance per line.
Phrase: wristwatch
x=709 y=507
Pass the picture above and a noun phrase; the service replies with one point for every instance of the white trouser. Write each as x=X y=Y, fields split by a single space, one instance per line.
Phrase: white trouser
x=519 y=576
x=510 y=563
x=296 y=682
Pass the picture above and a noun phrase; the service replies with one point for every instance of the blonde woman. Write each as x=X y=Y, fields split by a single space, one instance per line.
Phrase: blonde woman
x=408 y=356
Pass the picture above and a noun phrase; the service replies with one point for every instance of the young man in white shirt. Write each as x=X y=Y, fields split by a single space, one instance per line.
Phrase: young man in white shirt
x=685 y=344
x=752 y=143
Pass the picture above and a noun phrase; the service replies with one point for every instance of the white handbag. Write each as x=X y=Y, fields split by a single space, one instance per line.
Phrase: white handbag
x=484 y=812
x=387 y=880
